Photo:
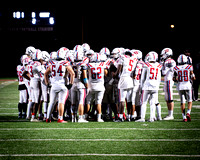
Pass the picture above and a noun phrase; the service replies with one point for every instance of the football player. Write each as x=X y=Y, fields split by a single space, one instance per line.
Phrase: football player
x=126 y=65
x=167 y=70
x=80 y=86
x=22 y=105
x=44 y=87
x=58 y=68
x=97 y=70
x=136 y=95
x=183 y=74
x=32 y=73
x=150 y=80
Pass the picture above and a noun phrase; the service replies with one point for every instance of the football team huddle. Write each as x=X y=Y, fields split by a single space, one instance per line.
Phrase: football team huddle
x=63 y=85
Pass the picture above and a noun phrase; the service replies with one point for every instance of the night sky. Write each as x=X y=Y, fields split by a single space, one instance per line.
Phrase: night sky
x=129 y=27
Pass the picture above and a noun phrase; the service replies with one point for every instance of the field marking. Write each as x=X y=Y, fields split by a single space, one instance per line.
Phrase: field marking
x=6 y=83
x=102 y=140
x=150 y=129
x=8 y=108
x=96 y=154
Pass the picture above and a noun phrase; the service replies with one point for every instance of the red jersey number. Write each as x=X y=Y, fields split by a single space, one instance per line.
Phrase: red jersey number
x=154 y=73
x=59 y=71
x=96 y=73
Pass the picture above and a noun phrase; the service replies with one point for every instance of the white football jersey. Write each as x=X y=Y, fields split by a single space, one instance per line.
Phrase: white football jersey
x=96 y=76
x=128 y=66
x=108 y=62
x=128 y=63
x=138 y=72
x=34 y=68
x=151 y=76
x=167 y=69
x=58 y=69
x=183 y=72
x=78 y=67
x=20 y=70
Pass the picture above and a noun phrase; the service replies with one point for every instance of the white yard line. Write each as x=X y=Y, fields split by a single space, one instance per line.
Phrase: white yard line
x=6 y=83
x=8 y=108
x=115 y=140
x=95 y=154
x=150 y=129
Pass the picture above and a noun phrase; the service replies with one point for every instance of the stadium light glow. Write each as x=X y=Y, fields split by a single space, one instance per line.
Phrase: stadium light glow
x=172 y=26
x=44 y=14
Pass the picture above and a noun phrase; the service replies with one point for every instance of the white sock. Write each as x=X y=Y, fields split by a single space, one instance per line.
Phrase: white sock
x=121 y=116
x=61 y=117
x=171 y=112
x=189 y=111
x=143 y=111
x=30 y=104
x=80 y=117
x=158 y=109
x=49 y=111
x=98 y=116
x=184 y=117
x=45 y=106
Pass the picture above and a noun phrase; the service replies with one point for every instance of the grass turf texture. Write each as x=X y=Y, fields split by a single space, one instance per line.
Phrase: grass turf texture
x=108 y=140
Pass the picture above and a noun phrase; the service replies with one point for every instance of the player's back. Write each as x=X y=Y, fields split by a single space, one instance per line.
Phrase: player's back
x=167 y=69
x=128 y=64
x=137 y=72
x=34 y=68
x=183 y=72
x=58 y=69
x=152 y=77
x=20 y=70
x=96 y=72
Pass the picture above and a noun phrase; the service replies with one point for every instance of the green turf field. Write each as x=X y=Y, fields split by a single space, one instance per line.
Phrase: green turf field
x=20 y=139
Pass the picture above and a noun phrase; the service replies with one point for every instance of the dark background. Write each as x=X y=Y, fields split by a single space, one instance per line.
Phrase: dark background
x=146 y=28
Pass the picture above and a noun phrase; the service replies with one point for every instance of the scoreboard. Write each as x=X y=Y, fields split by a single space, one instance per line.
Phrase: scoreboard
x=31 y=21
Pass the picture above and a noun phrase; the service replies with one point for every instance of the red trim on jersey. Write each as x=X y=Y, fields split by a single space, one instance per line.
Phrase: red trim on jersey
x=51 y=62
x=89 y=65
x=148 y=64
x=188 y=67
x=101 y=64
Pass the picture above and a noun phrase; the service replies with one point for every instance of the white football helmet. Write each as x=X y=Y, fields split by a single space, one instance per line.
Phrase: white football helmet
x=103 y=57
x=182 y=59
x=61 y=54
x=37 y=55
x=45 y=56
x=105 y=51
x=78 y=56
x=30 y=51
x=166 y=52
x=89 y=53
x=70 y=56
x=115 y=53
x=23 y=57
x=152 y=56
x=86 y=47
x=63 y=49
x=53 y=55
x=95 y=57
x=138 y=54
x=78 y=48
